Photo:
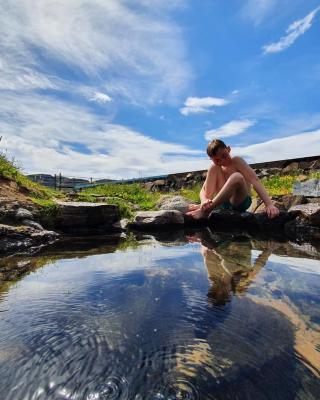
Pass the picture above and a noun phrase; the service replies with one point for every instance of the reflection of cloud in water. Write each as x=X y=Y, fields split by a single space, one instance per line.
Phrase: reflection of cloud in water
x=71 y=275
x=306 y=265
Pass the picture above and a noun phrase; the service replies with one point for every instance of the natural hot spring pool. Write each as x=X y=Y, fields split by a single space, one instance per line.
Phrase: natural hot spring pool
x=204 y=317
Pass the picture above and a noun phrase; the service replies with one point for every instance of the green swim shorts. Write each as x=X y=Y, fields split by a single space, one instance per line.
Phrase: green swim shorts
x=240 y=207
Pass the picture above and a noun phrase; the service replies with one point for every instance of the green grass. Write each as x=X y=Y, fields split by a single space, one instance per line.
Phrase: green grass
x=192 y=193
x=10 y=170
x=126 y=196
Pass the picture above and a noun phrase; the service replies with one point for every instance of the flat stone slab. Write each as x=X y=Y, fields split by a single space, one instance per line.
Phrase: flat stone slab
x=79 y=217
x=310 y=188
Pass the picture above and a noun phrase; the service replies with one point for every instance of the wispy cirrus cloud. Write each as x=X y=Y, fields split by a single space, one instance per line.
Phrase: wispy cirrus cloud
x=45 y=40
x=196 y=105
x=295 y=30
x=231 y=128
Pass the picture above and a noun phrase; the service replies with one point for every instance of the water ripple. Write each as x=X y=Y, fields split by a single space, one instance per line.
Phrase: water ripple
x=114 y=388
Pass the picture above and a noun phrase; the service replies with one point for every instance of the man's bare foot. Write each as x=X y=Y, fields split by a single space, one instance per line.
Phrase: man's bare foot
x=193 y=207
x=196 y=214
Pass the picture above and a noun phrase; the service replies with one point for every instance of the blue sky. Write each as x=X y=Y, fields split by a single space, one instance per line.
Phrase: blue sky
x=127 y=88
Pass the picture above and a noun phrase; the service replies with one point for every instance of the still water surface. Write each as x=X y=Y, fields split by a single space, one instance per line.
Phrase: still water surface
x=204 y=317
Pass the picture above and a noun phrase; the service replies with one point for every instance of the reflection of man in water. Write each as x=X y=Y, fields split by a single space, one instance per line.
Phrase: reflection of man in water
x=229 y=267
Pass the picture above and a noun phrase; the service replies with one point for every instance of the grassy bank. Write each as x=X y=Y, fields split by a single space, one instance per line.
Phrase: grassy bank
x=11 y=171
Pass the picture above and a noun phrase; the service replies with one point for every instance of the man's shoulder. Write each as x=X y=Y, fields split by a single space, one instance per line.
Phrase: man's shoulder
x=237 y=159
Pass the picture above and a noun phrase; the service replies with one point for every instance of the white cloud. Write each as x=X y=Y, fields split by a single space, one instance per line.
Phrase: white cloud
x=195 y=105
x=300 y=145
x=295 y=30
x=137 y=52
x=232 y=128
x=100 y=98
x=48 y=135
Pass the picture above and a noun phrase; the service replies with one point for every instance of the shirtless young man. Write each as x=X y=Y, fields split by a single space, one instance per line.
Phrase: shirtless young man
x=228 y=184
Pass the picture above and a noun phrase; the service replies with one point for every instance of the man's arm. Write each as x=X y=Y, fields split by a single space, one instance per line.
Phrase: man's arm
x=251 y=177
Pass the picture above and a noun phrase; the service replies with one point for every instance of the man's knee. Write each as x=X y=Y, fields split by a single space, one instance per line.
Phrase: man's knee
x=236 y=178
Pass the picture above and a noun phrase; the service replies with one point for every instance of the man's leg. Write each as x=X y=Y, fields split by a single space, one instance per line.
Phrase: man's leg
x=234 y=190
x=214 y=182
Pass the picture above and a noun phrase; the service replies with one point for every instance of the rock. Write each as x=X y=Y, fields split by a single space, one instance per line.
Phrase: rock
x=273 y=171
x=310 y=213
x=228 y=219
x=256 y=203
x=174 y=203
x=20 y=238
x=313 y=200
x=85 y=218
x=23 y=213
x=302 y=232
x=275 y=225
x=315 y=165
x=293 y=200
x=276 y=201
x=159 y=183
x=12 y=271
x=33 y=224
x=304 y=165
x=259 y=222
x=122 y=224
x=157 y=219
x=148 y=185
x=294 y=166
x=308 y=188
x=262 y=174
x=302 y=178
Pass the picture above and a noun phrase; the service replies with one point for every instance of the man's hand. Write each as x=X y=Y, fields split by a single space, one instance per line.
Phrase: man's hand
x=272 y=211
x=206 y=205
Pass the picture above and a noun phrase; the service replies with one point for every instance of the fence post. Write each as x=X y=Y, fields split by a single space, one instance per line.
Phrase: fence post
x=60 y=181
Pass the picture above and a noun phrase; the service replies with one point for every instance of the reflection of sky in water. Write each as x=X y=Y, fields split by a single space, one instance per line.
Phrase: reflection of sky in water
x=305 y=265
x=145 y=321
